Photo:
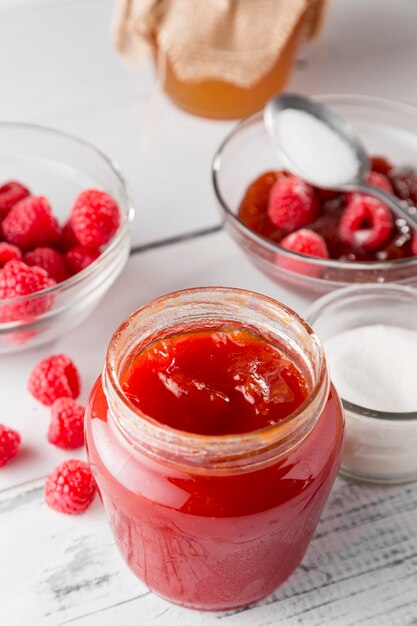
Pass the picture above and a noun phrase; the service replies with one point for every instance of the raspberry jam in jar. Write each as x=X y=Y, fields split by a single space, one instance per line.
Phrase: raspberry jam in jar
x=215 y=436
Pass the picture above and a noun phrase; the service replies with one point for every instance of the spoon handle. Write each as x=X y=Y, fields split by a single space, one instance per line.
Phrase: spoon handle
x=400 y=207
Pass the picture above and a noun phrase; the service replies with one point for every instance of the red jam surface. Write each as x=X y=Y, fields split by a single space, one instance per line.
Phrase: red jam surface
x=253 y=213
x=215 y=383
x=207 y=539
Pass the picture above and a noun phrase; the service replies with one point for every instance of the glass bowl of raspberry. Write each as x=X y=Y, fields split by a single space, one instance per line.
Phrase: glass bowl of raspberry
x=65 y=214
x=311 y=240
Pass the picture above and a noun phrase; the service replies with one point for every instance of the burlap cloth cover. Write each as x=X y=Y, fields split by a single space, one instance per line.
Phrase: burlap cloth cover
x=237 y=41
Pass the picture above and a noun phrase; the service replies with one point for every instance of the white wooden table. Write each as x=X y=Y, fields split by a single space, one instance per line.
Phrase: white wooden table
x=57 y=68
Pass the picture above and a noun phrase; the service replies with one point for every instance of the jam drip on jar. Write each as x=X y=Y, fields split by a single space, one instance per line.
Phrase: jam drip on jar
x=215 y=382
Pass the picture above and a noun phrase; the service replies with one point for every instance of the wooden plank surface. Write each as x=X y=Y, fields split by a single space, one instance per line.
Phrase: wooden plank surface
x=361 y=568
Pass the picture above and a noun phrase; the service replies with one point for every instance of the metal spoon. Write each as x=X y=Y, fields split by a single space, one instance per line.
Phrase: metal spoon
x=345 y=132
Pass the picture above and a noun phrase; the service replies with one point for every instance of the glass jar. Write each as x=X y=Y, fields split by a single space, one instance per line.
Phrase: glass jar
x=219 y=99
x=380 y=446
x=214 y=522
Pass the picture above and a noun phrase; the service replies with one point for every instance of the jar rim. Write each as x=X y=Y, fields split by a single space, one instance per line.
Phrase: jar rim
x=230 y=445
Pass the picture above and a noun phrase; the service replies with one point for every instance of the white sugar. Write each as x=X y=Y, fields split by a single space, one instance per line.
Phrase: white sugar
x=318 y=153
x=375 y=367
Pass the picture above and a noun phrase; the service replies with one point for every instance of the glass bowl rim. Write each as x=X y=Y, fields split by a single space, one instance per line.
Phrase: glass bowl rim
x=128 y=214
x=328 y=98
x=326 y=302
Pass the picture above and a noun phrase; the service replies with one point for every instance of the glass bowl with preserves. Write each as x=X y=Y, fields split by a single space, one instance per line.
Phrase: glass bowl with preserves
x=350 y=238
x=65 y=214
x=214 y=435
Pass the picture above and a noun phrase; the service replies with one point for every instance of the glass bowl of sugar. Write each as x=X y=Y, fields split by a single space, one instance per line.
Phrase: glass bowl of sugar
x=386 y=128
x=369 y=333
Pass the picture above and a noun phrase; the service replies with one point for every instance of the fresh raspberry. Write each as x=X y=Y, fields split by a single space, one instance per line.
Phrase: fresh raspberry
x=54 y=377
x=30 y=224
x=366 y=223
x=66 y=429
x=11 y=193
x=17 y=280
x=68 y=239
x=79 y=258
x=50 y=260
x=70 y=488
x=9 y=444
x=292 y=204
x=8 y=252
x=379 y=180
x=306 y=242
x=95 y=217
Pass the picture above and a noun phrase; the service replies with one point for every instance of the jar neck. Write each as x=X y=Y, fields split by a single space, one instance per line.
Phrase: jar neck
x=206 y=309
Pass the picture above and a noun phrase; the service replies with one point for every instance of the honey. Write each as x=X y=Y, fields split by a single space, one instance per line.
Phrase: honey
x=219 y=99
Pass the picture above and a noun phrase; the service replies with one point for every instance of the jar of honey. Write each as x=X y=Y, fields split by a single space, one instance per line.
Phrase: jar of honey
x=219 y=59
x=214 y=436
x=222 y=99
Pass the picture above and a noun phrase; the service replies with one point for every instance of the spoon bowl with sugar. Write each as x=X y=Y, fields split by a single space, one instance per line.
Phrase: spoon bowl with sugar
x=323 y=149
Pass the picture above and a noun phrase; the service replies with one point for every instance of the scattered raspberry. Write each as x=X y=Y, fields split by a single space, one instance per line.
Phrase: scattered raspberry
x=9 y=444
x=306 y=242
x=70 y=488
x=54 y=377
x=11 y=193
x=95 y=217
x=30 y=224
x=68 y=239
x=79 y=258
x=50 y=260
x=66 y=429
x=8 y=252
x=16 y=280
x=366 y=223
x=292 y=204
x=379 y=180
